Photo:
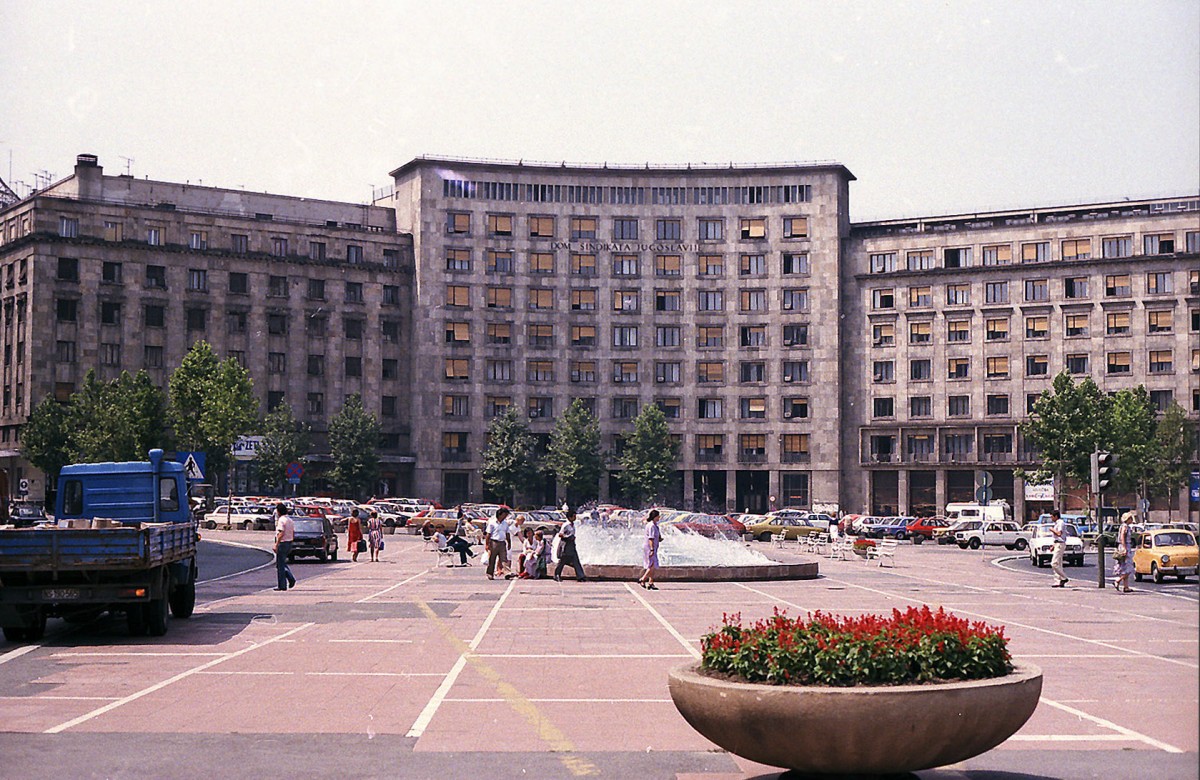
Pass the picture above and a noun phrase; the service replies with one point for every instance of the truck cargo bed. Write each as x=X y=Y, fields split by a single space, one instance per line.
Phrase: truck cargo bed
x=71 y=549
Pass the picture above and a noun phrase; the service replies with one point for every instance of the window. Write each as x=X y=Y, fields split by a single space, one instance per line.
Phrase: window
x=68 y=227
x=497 y=262
x=997 y=367
x=1161 y=361
x=582 y=227
x=795 y=264
x=795 y=335
x=1158 y=244
x=197 y=319
x=1037 y=327
x=454 y=445
x=752 y=229
x=583 y=265
x=795 y=300
x=154 y=236
x=496 y=405
x=1159 y=283
x=541 y=335
x=671 y=407
x=1076 y=325
x=752 y=445
x=667 y=300
x=795 y=371
x=239 y=244
x=452 y=406
x=958 y=368
x=390 y=368
x=1035 y=252
x=1195 y=317
x=1077 y=249
x=236 y=322
x=625 y=300
x=959 y=445
x=752 y=335
x=197 y=280
x=794 y=447
x=68 y=269
x=583 y=335
x=459 y=260
x=1161 y=400
x=277 y=287
x=316 y=290
x=712 y=265
x=884 y=298
x=995 y=292
x=920 y=332
x=316 y=365
x=279 y=246
x=958 y=331
x=499 y=298
x=667 y=336
x=883 y=262
x=795 y=227
x=711 y=229
x=997 y=443
x=1037 y=289
x=583 y=371
x=921 y=260
x=277 y=323
x=1117 y=323
x=625 y=229
x=152 y=356
x=115 y=231
x=1037 y=365
x=668 y=265
x=666 y=373
x=352 y=366
x=541 y=263
x=920 y=296
x=710 y=336
x=1160 y=321
x=110 y=273
x=710 y=300
x=625 y=372
x=539 y=371
x=709 y=408
x=752 y=372
x=1075 y=287
x=1192 y=241
x=795 y=408
x=710 y=371
x=354 y=292
x=110 y=313
x=1117 y=286
x=624 y=408
x=1119 y=363
x=499 y=225
x=710 y=445
x=625 y=336
x=883 y=371
x=1118 y=246
x=154 y=316
x=1077 y=364
x=883 y=407
x=459 y=296
x=997 y=405
x=752 y=265
x=64 y=351
x=920 y=406
x=667 y=229
x=958 y=406
x=458 y=222
x=458 y=333
x=276 y=363
x=499 y=333
x=625 y=265
x=156 y=277
x=957 y=257
x=883 y=334
x=752 y=300
x=997 y=254
x=920 y=370
x=958 y=295
x=499 y=370
x=541 y=408
x=316 y=250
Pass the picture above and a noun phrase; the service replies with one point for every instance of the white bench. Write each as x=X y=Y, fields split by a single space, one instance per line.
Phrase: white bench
x=779 y=539
x=839 y=547
x=885 y=550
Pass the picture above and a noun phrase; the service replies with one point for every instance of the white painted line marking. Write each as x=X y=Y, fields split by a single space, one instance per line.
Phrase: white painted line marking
x=431 y=707
x=670 y=628
x=17 y=653
x=160 y=685
x=1110 y=725
x=391 y=588
x=251 y=674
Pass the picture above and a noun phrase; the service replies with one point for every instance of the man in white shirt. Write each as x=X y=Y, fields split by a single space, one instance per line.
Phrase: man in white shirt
x=497 y=531
x=285 y=534
x=1060 y=546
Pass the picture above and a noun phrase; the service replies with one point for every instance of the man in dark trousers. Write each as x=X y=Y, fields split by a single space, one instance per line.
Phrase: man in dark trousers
x=567 y=554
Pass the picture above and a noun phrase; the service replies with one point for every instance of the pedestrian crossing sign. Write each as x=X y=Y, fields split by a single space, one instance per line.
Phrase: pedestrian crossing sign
x=191 y=469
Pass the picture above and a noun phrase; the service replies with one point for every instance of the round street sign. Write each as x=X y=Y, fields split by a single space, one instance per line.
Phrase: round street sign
x=983 y=494
x=294 y=471
x=984 y=479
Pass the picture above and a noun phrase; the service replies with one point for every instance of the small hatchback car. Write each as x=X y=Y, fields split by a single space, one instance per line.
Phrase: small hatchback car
x=1166 y=551
x=314 y=536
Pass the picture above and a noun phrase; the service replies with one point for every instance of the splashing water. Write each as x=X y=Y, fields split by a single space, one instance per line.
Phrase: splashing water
x=616 y=546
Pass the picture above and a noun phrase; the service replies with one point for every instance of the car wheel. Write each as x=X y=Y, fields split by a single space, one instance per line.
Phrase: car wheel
x=333 y=555
x=1181 y=577
x=247 y=526
x=901 y=536
x=1022 y=544
x=211 y=525
x=963 y=545
x=1010 y=547
x=764 y=537
x=1137 y=575
x=1156 y=573
x=323 y=556
x=976 y=544
x=918 y=538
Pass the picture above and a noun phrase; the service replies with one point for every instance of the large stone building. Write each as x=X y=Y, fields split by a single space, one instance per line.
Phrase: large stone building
x=876 y=366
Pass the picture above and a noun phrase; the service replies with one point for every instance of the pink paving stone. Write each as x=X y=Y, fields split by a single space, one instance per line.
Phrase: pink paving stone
x=573 y=678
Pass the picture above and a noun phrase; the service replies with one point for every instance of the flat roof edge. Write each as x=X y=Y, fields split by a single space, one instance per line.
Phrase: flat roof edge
x=619 y=168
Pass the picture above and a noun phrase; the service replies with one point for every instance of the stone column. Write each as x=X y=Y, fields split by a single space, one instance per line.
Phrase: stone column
x=940 y=489
x=689 y=489
x=902 y=491
x=1018 y=499
x=731 y=491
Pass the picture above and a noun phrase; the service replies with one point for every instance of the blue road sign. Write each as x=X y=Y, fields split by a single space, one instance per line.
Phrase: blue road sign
x=293 y=480
x=293 y=472
x=193 y=464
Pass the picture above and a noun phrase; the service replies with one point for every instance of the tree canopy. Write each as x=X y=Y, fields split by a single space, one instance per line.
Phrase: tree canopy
x=353 y=438
x=574 y=454
x=509 y=465
x=212 y=404
x=284 y=441
x=649 y=457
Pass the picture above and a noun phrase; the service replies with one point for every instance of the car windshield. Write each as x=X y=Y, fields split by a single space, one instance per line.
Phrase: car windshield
x=1174 y=539
x=309 y=526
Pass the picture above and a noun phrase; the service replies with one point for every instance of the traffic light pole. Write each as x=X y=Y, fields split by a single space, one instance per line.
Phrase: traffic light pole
x=1100 y=540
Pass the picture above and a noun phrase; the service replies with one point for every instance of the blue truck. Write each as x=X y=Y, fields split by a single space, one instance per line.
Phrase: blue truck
x=123 y=540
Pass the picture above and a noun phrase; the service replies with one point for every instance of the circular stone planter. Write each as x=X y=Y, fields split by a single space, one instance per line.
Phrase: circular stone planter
x=858 y=730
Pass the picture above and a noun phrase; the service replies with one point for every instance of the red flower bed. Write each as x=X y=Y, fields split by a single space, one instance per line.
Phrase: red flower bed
x=914 y=646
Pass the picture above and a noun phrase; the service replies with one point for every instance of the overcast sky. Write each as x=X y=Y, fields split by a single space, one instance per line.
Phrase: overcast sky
x=936 y=107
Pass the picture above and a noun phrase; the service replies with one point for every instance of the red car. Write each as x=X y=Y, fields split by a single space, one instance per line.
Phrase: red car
x=923 y=527
x=712 y=526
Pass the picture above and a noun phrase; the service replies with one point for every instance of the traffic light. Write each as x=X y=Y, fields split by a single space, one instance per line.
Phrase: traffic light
x=1104 y=469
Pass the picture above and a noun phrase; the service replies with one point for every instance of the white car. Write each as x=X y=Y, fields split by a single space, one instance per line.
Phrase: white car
x=993 y=533
x=244 y=517
x=1041 y=545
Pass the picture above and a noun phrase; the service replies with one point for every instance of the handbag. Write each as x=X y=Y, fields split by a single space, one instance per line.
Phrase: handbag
x=1120 y=557
x=361 y=546
x=380 y=544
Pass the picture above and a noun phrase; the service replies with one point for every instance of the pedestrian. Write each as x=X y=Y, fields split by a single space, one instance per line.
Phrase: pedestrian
x=525 y=538
x=460 y=545
x=567 y=554
x=497 y=541
x=1123 y=558
x=1060 y=546
x=374 y=535
x=354 y=534
x=650 y=550
x=285 y=534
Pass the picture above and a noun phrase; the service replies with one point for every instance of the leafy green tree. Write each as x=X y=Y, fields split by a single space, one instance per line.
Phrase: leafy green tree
x=188 y=386
x=353 y=437
x=1068 y=423
x=649 y=458
x=1130 y=436
x=1175 y=437
x=285 y=440
x=509 y=465
x=574 y=454
x=46 y=438
x=212 y=404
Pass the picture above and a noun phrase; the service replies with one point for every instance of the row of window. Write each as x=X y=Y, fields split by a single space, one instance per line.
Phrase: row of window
x=667 y=336
x=625 y=371
x=239 y=243
x=1158 y=243
x=1158 y=361
x=793 y=408
x=1034 y=290
x=1075 y=325
x=995 y=404
x=793 y=447
x=586 y=228
x=621 y=196
x=543 y=299
x=707 y=266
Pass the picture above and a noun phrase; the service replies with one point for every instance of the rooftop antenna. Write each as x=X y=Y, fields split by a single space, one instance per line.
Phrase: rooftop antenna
x=128 y=164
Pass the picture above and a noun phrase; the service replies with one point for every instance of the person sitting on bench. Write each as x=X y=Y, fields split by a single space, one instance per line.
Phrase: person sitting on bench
x=455 y=543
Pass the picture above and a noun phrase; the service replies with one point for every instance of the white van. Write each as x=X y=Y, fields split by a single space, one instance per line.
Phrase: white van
x=996 y=510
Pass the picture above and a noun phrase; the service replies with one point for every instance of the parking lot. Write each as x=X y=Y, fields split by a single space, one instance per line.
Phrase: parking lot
x=403 y=669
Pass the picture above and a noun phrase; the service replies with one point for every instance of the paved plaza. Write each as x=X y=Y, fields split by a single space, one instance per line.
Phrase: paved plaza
x=404 y=669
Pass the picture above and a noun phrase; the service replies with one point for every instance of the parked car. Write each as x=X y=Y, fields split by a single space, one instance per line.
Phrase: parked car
x=924 y=528
x=947 y=535
x=27 y=515
x=1041 y=544
x=713 y=526
x=1166 y=551
x=791 y=525
x=244 y=517
x=888 y=528
x=862 y=525
x=820 y=520
x=314 y=536
x=992 y=533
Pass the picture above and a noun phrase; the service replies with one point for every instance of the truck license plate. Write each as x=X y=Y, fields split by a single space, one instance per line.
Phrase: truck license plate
x=60 y=594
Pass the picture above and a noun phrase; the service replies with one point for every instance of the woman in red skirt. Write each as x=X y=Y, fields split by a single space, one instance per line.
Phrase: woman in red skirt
x=355 y=534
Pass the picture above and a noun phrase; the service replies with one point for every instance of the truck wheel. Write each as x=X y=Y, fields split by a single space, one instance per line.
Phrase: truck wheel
x=156 y=616
x=975 y=544
x=135 y=619
x=183 y=600
x=37 y=629
x=14 y=633
x=1022 y=544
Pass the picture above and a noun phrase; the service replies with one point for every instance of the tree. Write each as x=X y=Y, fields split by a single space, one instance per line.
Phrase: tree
x=1175 y=437
x=509 y=465
x=353 y=437
x=1067 y=426
x=574 y=454
x=46 y=438
x=1130 y=436
x=284 y=441
x=212 y=404
x=119 y=420
x=649 y=457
